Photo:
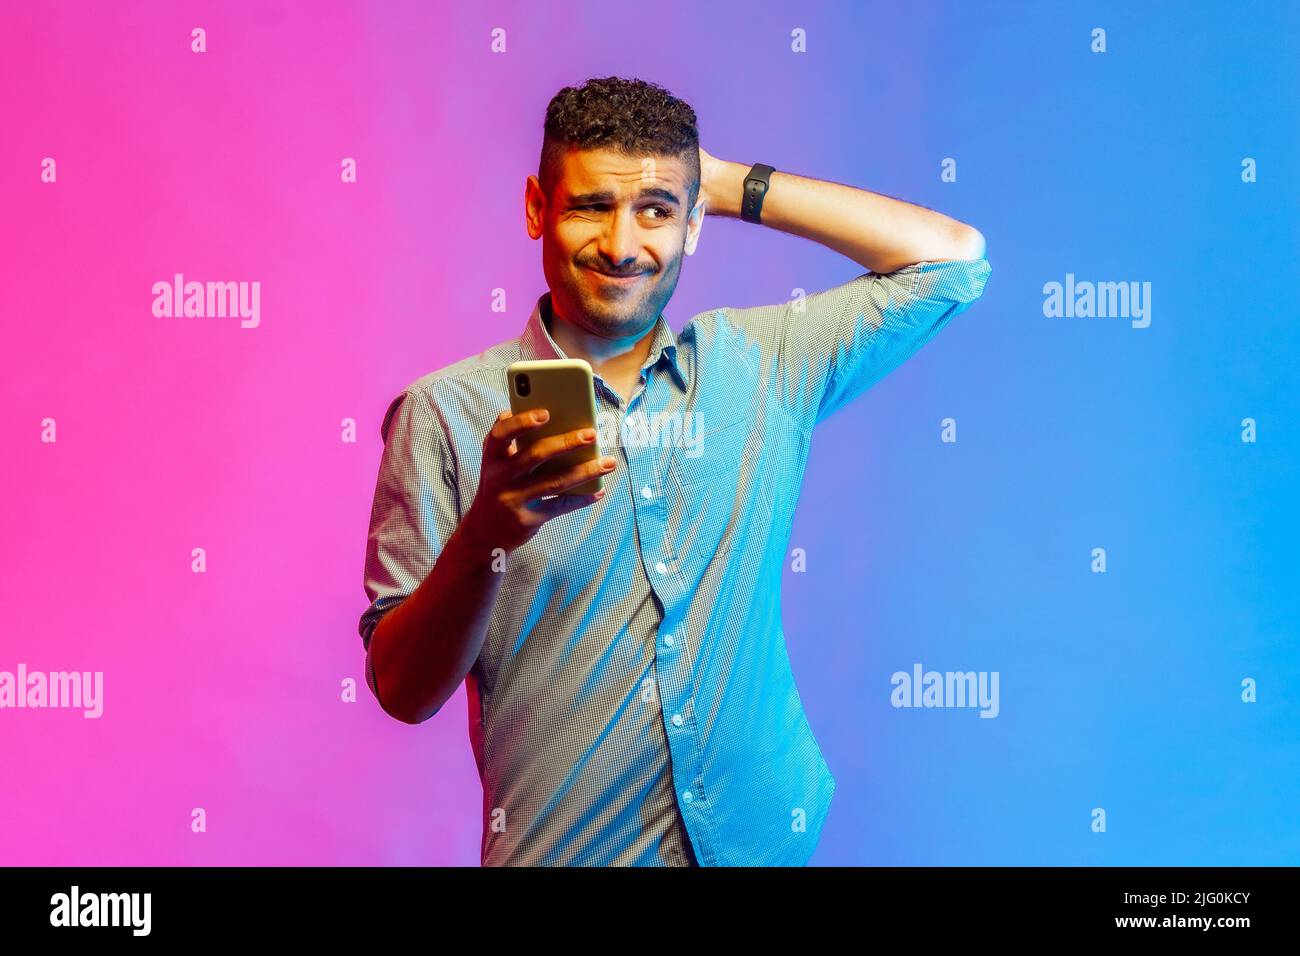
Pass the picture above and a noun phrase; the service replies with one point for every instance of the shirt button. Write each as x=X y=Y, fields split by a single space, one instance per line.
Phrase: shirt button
x=687 y=796
x=646 y=492
x=677 y=720
x=661 y=568
x=668 y=639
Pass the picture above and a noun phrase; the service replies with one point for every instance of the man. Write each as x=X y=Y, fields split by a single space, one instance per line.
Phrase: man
x=630 y=696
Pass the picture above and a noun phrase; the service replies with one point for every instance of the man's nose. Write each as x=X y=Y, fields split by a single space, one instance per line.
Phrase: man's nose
x=619 y=243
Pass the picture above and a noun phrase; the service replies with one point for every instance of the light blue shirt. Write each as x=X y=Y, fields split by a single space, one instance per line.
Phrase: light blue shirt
x=633 y=701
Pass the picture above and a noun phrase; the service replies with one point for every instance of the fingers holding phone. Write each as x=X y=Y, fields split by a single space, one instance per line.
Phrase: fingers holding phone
x=526 y=479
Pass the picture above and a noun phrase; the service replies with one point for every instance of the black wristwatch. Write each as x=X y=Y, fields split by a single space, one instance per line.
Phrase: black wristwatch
x=756 y=186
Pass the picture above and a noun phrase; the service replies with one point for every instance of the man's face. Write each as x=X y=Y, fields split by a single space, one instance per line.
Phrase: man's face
x=613 y=232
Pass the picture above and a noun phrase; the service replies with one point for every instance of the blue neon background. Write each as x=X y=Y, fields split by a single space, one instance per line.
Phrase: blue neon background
x=1118 y=690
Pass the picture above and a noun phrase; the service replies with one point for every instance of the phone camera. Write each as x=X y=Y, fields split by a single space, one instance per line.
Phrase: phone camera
x=521 y=385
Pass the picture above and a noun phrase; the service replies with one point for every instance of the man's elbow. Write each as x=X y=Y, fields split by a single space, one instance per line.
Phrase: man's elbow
x=969 y=273
x=390 y=707
x=400 y=714
x=970 y=243
x=397 y=713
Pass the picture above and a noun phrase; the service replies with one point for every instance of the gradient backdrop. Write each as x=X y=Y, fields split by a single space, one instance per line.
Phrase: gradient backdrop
x=223 y=690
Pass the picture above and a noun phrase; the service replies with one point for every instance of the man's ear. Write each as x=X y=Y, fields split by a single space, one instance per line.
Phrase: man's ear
x=694 y=224
x=534 y=206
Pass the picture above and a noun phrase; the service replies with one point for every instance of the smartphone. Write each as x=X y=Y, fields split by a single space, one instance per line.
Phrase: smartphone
x=564 y=387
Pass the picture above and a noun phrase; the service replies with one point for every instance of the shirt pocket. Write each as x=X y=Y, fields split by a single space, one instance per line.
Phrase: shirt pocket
x=713 y=457
x=718 y=500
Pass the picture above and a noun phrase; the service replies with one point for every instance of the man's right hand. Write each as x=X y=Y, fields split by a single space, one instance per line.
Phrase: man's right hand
x=508 y=507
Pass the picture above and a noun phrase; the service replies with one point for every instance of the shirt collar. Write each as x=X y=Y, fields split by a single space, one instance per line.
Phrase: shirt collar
x=536 y=343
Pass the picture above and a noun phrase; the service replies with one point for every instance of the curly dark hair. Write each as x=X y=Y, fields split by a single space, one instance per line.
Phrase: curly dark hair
x=630 y=116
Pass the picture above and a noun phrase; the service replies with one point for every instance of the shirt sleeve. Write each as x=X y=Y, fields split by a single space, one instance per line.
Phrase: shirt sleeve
x=416 y=507
x=824 y=350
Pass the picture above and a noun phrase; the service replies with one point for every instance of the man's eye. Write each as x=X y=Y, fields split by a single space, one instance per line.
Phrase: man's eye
x=663 y=211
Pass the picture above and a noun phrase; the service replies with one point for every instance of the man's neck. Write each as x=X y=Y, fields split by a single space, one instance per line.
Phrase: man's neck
x=617 y=361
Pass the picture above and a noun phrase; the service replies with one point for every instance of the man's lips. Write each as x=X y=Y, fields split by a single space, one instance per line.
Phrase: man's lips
x=621 y=279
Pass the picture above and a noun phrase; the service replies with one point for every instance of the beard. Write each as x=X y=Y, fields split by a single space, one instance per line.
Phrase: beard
x=611 y=311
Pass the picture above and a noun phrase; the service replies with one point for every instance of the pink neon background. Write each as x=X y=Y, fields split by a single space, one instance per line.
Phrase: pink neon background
x=222 y=689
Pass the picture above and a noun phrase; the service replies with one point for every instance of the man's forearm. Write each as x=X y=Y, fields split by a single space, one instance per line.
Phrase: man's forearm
x=423 y=648
x=877 y=232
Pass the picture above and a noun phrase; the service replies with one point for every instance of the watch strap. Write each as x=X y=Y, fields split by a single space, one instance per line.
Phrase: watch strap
x=756 y=186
